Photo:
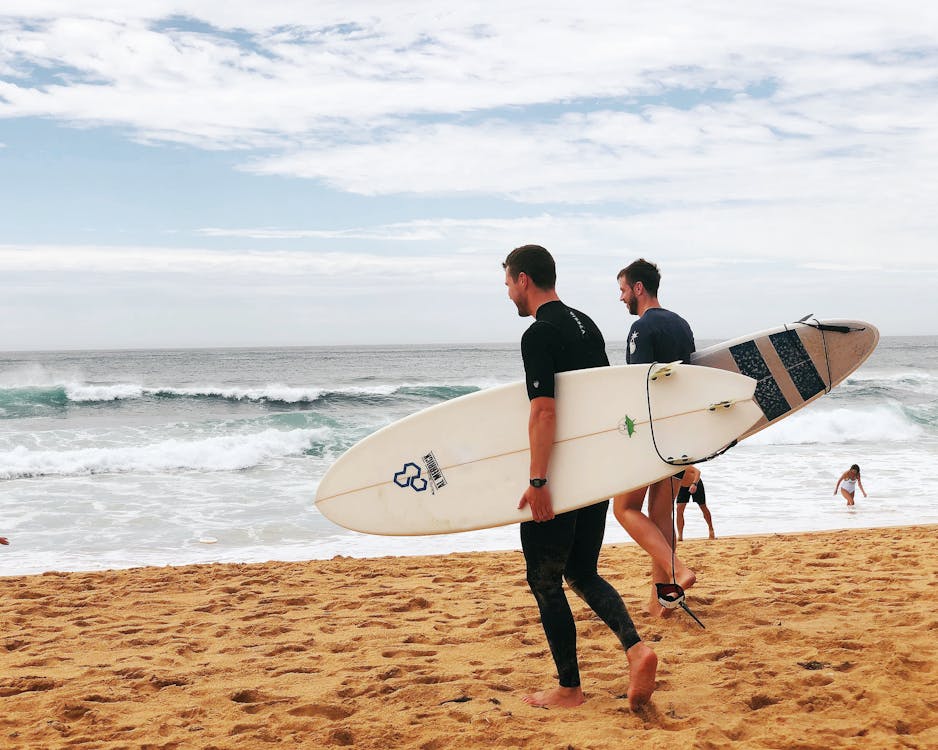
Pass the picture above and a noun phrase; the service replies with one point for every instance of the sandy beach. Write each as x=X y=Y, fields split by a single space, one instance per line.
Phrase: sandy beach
x=821 y=640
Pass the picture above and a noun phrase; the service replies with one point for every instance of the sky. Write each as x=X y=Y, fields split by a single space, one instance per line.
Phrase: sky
x=299 y=173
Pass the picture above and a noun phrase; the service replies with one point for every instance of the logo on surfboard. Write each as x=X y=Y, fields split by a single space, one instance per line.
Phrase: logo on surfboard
x=411 y=475
x=627 y=425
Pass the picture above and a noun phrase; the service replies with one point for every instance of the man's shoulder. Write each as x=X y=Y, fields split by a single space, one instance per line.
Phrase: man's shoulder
x=662 y=313
x=662 y=319
x=538 y=332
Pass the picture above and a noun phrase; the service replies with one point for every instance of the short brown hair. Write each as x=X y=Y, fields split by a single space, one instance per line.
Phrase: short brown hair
x=644 y=271
x=535 y=262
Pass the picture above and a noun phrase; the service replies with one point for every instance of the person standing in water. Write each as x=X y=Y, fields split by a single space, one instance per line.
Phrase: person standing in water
x=848 y=483
x=692 y=488
x=564 y=546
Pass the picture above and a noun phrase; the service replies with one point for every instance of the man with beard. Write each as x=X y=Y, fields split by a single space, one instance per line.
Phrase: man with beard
x=564 y=546
x=658 y=335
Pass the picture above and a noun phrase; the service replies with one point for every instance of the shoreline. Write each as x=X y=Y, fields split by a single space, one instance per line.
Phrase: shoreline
x=608 y=544
x=815 y=640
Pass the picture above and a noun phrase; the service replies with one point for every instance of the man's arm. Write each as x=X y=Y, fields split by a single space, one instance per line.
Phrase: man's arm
x=542 y=427
x=691 y=474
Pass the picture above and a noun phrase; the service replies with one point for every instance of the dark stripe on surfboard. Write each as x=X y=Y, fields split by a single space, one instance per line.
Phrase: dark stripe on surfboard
x=768 y=395
x=796 y=360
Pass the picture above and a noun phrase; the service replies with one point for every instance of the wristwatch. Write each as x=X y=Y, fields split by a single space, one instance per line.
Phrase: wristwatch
x=538 y=481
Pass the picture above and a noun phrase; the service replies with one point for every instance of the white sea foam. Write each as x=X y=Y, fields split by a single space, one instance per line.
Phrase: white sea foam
x=890 y=376
x=81 y=392
x=223 y=453
x=878 y=424
x=271 y=392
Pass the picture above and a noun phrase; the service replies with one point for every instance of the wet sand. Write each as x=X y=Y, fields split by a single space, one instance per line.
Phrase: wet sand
x=821 y=640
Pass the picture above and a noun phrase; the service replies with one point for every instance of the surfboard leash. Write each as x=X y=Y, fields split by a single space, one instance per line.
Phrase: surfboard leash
x=671 y=595
x=825 y=328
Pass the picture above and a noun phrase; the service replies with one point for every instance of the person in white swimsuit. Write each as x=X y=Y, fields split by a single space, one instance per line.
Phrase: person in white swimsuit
x=848 y=483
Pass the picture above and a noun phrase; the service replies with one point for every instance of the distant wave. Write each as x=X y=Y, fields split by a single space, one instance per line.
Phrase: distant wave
x=13 y=401
x=222 y=453
x=879 y=424
x=892 y=376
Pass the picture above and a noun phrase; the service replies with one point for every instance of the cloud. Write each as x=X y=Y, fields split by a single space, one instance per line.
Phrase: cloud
x=225 y=267
x=250 y=77
x=803 y=232
x=542 y=104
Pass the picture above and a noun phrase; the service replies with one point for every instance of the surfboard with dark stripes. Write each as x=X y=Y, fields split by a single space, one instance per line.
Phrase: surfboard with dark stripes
x=795 y=363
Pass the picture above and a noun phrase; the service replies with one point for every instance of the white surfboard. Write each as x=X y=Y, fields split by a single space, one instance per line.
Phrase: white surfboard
x=795 y=363
x=463 y=464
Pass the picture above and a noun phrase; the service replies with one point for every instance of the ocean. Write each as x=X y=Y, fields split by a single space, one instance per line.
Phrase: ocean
x=116 y=459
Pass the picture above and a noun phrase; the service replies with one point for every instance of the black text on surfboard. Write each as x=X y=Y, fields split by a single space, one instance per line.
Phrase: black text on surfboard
x=433 y=469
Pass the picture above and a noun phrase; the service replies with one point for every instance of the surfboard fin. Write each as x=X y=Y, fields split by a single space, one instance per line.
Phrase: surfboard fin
x=663 y=371
x=721 y=405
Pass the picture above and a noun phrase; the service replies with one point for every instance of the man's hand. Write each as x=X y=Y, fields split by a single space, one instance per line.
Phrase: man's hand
x=538 y=499
x=3 y=540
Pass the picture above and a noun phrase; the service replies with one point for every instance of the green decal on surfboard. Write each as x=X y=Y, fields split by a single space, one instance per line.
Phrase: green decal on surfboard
x=627 y=424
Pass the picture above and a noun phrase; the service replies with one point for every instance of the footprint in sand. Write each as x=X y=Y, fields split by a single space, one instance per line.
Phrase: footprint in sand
x=323 y=711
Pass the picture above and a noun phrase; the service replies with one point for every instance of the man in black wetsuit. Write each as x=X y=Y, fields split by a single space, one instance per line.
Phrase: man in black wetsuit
x=658 y=335
x=567 y=545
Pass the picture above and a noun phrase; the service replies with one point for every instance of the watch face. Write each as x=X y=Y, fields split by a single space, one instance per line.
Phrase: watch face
x=538 y=482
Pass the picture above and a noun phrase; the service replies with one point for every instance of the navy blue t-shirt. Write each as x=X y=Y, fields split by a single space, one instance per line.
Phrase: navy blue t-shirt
x=659 y=336
x=561 y=339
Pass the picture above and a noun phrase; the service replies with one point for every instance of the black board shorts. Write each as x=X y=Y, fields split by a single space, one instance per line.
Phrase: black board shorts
x=700 y=496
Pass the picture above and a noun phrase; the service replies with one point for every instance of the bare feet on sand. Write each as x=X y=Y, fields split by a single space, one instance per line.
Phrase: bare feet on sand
x=643 y=664
x=655 y=609
x=563 y=697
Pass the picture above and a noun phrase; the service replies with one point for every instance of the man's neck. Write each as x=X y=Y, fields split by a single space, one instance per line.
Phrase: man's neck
x=646 y=305
x=542 y=299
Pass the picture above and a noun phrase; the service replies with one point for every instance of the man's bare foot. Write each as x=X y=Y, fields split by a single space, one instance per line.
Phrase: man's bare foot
x=712 y=535
x=685 y=578
x=562 y=697
x=643 y=664
x=655 y=609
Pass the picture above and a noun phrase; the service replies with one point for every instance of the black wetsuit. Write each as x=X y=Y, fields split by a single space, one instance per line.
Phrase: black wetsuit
x=567 y=546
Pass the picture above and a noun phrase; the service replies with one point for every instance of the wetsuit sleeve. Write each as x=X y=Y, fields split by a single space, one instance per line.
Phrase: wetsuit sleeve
x=539 y=361
x=640 y=349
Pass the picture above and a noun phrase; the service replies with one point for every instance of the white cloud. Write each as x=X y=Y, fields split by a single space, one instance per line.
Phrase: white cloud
x=132 y=265
x=803 y=232
x=293 y=73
